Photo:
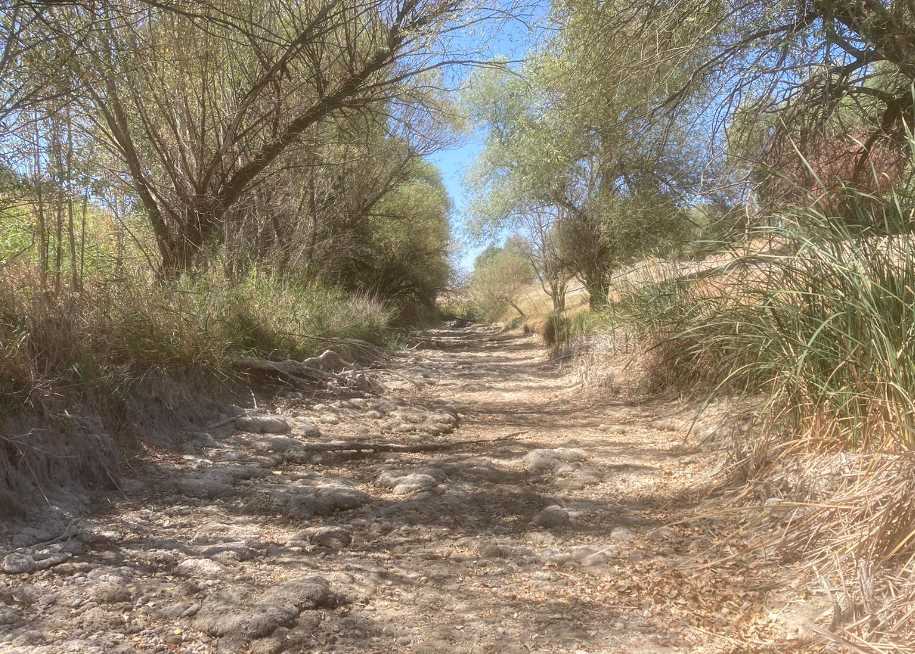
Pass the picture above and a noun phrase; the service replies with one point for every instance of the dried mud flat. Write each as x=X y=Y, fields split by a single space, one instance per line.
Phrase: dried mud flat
x=480 y=502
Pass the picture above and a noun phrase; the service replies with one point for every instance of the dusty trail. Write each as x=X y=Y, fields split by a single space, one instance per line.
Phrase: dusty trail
x=533 y=524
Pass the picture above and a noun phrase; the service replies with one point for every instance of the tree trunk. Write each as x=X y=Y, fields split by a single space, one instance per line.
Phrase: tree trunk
x=515 y=307
x=558 y=296
x=597 y=294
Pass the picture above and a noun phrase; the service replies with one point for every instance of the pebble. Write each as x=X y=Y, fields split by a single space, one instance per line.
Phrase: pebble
x=262 y=424
x=18 y=563
x=200 y=567
x=552 y=517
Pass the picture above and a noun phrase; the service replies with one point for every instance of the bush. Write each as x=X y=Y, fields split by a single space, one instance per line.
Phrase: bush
x=561 y=333
x=824 y=329
x=135 y=324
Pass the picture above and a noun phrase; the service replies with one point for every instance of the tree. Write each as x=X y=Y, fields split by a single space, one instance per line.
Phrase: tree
x=499 y=274
x=401 y=250
x=201 y=105
x=788 y=78
x=575 y=153
x=544 y=246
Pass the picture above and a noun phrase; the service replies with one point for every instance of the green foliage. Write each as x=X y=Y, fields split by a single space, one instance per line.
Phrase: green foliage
x=561 y=333
x=402 y=250
x=823 y=328
x=570 y=152
x=457 y=306
x=15 y=232
x=499 y=274
x=129 y=325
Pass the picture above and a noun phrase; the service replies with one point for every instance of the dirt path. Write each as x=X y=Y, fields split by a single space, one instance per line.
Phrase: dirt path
x=509 y=514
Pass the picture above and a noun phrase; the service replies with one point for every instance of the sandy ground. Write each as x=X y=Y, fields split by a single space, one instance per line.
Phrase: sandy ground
x=480 y=502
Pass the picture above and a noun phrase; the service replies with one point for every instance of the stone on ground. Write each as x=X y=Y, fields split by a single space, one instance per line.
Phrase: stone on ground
x=543 y=460
x=200 y=568
x=552 y=517
x=262 y=424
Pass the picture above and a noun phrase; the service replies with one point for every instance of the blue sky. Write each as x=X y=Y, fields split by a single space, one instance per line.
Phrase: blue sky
x=512 y=42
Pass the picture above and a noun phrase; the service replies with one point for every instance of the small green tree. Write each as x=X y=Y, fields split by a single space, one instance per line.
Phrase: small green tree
x=499 y=274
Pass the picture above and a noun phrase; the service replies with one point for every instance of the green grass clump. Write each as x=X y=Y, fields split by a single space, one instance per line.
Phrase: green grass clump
x=115 y=328
x=561 y=333
x=825 y=328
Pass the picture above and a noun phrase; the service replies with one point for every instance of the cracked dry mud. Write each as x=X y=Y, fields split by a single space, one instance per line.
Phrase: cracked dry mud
x=533 y=523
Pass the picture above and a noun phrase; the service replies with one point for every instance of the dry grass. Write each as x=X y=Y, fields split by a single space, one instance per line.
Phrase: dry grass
x=537 y=307
x=819 y=341
x=79 y=370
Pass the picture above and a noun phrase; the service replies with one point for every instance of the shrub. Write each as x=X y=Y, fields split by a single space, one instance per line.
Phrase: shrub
x=562 y=333
x=824 y=328
x=135 y=324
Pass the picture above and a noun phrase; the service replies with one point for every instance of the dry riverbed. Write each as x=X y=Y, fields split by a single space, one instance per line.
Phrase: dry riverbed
x=471 y=499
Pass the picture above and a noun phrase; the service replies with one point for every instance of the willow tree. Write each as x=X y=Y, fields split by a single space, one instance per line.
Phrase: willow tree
x=569 y=142
x=813 y=77
x=199 y=101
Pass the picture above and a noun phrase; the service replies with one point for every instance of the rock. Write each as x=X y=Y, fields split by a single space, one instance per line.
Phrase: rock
x=97 y=619
x=329 y=419
x=277 y=444
x=361 y=382
x=17 y=563
x=488 y=472
x=246 y=622
x=240 y=618
x=175 y=610
x=304 y=594
x=8 y=615
x=72 y=568
x=200 y=567
x=414 y=483
x=540 y=461
x=108 y=575
x=108 y=593
x=410 y=417
x=241 y=551
x=557 y=557
x=622 y=535
x=333 y=538
x=324 y=499
x=328 y=361
x=402 y=483
x=385 y=406
x=596 y=560
x=308 y=429
x=48 y=560
x=552 y=517
x=495 y=551
x=590 y=557
x=31 y=535
x=332 y=362
x=262 y=424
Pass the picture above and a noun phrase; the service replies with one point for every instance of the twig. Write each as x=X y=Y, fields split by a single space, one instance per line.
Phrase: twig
x=367 y=446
